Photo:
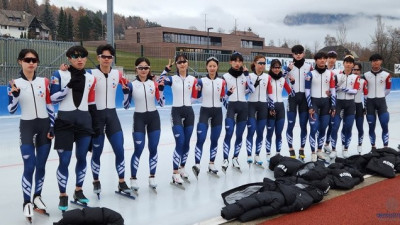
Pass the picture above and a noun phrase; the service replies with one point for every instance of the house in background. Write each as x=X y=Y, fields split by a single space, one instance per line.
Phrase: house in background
x=341 y=51
x=19 y=24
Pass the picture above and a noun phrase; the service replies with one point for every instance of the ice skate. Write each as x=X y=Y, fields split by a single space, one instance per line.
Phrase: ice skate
x=332 y=155
x=184 y=175
x=235 y=164
x=63 y=205
x=225 y=165
x=302 y=156
x=124 y=190
x=313 y=157
x=359 y=149
x=292 y=154
x=257 y=161
x=97 y=188
x=268 y=156
x=134 y=186
x=249 y=160
x=39 y=206
x=323 y=156
x=196 y=170
x=346 y=154
x=327 y=148
x=177 y=181
x=80 y=199
x=212 y=170
x=28 y=211
x=152 y=184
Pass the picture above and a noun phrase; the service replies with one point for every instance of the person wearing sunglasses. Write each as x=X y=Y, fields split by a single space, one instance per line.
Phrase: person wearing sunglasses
x=297 y=71
x=32 y=95
x=238 y=85
x=183 y=88
x=331 y=65
x=74 y=91
x=257 y=108
x=211 y=89
x=144 y=92
x=107 y=80
x=360 y=106
x=276 y=114
x=346 y=90
x=379 y=85
x=321 y=99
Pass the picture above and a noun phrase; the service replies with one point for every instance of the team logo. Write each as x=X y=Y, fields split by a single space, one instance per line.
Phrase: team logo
x=55 y=80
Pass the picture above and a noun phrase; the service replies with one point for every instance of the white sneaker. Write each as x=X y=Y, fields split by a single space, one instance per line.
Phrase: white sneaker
x=346 y=154
x=235 y=163
x=176 y=178
x=183 y=173
x=249 y=160
x=332 y=155
x=257 y=160
x=38 y=203
x=28 y=210
x=134 y=184
x=327 y=148
x=359 y=149
x=152 y=182
x=313 y=157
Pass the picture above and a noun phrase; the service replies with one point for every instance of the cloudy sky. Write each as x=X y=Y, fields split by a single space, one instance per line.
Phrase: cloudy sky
x=265 y=18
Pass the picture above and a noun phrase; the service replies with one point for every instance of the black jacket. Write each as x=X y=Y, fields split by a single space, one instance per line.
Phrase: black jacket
x=91 y=216
x=344 y=177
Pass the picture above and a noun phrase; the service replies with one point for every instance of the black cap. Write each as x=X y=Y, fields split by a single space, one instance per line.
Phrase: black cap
x=375 y=56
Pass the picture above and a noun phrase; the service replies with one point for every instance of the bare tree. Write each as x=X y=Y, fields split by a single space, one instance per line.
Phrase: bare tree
x=221 y=30
x=341 y=34
x=192 y=28
x=316 y=46
x=271 y=43
x=330 y=40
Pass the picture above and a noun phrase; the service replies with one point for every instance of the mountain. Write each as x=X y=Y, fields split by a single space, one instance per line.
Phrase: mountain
x=315 y=18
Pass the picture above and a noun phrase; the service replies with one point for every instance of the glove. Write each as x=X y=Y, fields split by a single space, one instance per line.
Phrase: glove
x=166 y=69
x=161 y=87
x=51 y=132
x=257 y=82
x=230 y=91
x=16 y=93
x=125 y=90
x=246 y=73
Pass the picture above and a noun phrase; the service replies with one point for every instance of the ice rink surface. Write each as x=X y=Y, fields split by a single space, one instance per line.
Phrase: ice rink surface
x=200 y=203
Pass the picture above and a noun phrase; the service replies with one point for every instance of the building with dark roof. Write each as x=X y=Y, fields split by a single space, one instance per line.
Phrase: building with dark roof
x=20 y=23
x=340 y=50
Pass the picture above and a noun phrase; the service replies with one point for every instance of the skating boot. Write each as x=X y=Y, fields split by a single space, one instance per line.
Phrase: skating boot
x=332 y=155
x=346 y=154
x=225 y=165
x=28 y=211
x=134 y=185
x=257 y=160
x=177 y=181
x=314 y=157
x=38 y=205
x=323 y=156
x=196 y=170
x=268 y=156
x=184 y=175
x=125 y=191
x=63 y=205
x=80 y=198
x=249 y=160
x=327 y=148
x=152 y=183
x=235 y=164
x=97 y=188
x=301 y=155
x=212 y=170
x=292 y=154
x=359 y=149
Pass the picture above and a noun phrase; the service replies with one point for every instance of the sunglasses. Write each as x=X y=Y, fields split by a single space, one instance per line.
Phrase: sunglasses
x=30 y=60
x=212 y=58
x=356 y=69
x=78 y=55
x=276 y=67
x=181 y=61
x=261 y=63
x=106 y=56
x=143 y=67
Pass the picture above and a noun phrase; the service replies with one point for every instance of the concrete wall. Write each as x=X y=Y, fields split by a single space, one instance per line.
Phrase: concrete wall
x=167 y=94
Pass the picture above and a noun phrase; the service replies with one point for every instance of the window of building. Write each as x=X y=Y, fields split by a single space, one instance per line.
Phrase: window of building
x=21 y=28
x=191 y=39
x=4 y=26
x=252 y=44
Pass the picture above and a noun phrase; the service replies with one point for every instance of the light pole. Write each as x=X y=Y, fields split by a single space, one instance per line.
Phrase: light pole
x=208 y=38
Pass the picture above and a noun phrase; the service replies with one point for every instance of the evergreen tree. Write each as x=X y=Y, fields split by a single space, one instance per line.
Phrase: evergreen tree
x=97 y=28
x=70 y=28
x=4 y=4
x=62 y=26
x=84 y=27
x=48 y=19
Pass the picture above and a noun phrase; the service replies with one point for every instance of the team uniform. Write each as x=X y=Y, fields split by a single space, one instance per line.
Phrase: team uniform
x=37 y=116
x=182 y=117
x=360 y=109
x=317 y=87
x=347 y=87
x=236 y=113
x=107 y=122
x=330 y=124
x=73 y=124
x=211 y=92
x=297 y=103
x=379 y=84
x=257 y=113
x=277 y=121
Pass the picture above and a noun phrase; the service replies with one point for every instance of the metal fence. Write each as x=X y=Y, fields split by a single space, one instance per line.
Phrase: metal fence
x=51 y=54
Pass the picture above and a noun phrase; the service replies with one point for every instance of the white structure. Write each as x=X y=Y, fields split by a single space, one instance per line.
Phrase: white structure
x=19 y=23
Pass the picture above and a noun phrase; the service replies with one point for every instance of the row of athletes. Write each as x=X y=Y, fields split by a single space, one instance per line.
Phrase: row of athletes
x=83 y=114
